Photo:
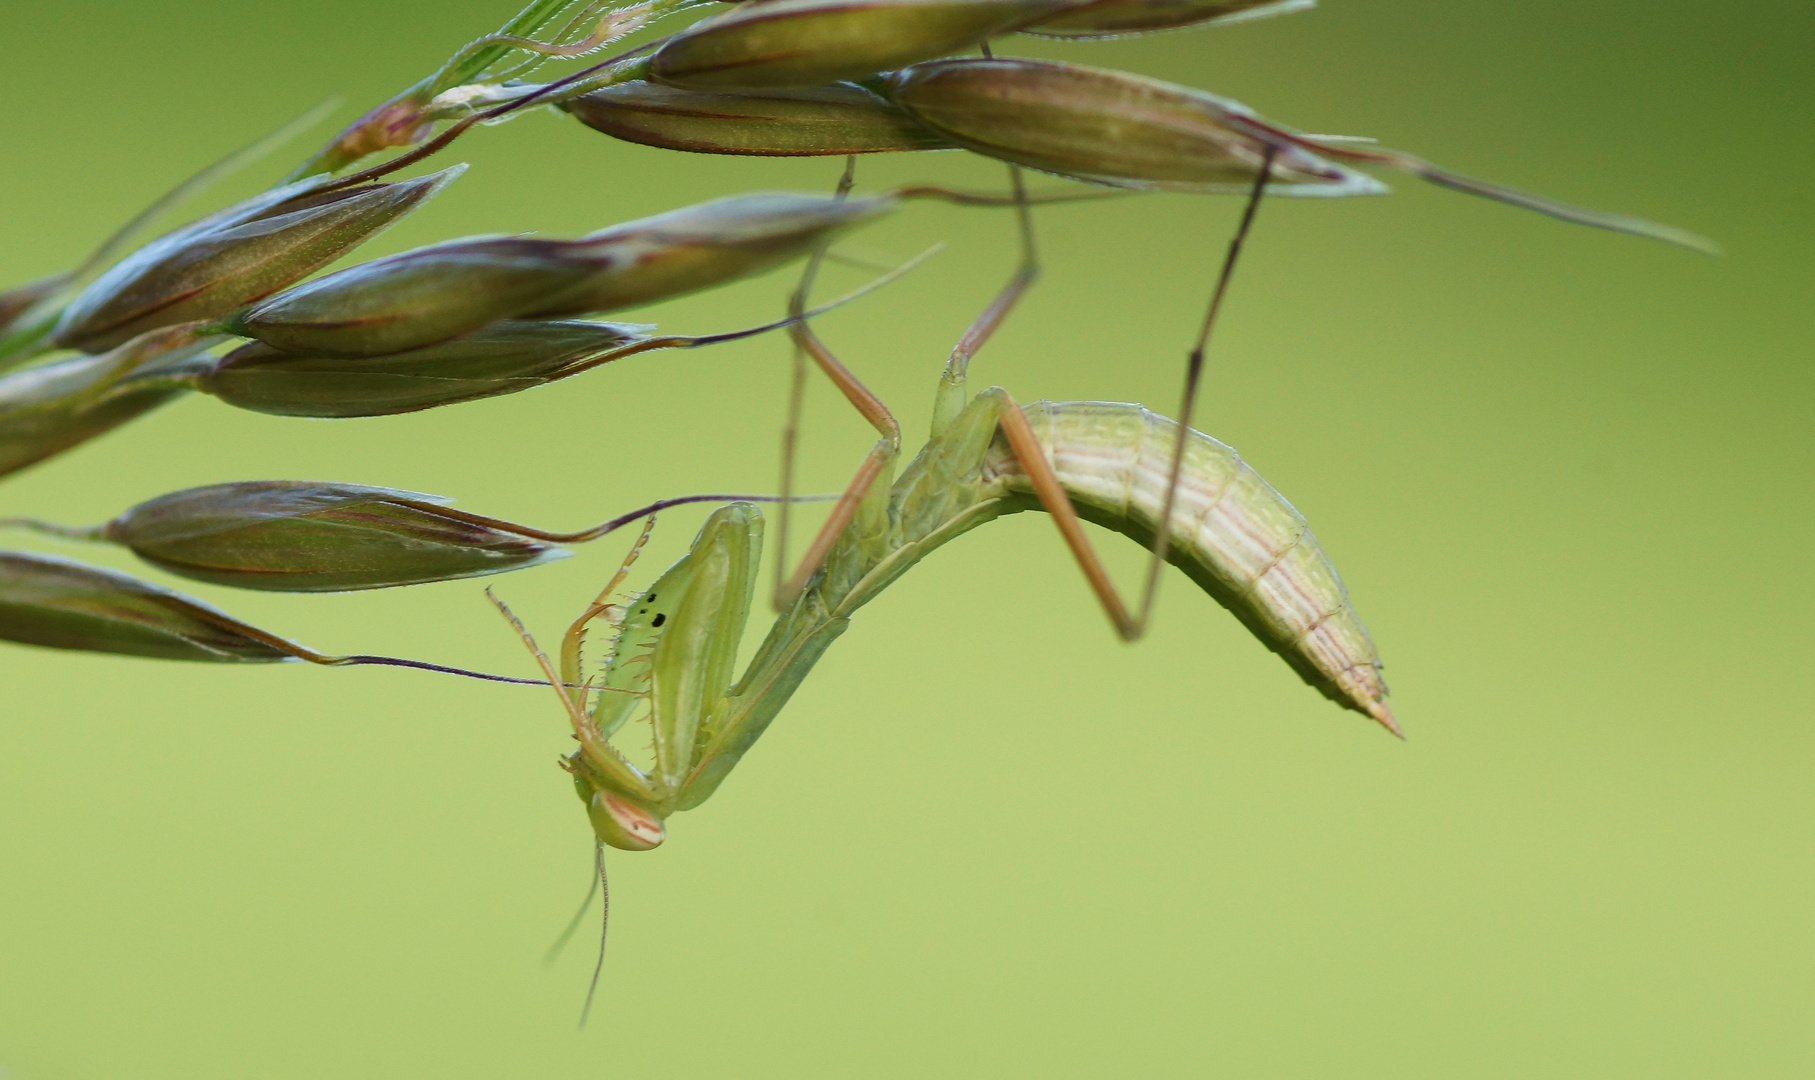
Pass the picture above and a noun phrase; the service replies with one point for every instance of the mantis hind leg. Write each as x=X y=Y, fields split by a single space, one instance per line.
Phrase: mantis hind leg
x=1032 y=456
x=1194 y=370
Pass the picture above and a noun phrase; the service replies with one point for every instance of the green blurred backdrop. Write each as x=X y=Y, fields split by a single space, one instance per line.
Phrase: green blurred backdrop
x=1568 y=477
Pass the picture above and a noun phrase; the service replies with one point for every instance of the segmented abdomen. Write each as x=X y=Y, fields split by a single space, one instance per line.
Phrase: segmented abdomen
x=1231 y=532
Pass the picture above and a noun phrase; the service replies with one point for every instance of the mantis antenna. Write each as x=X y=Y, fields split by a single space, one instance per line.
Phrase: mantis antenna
x=598 y=862
x=573 y=924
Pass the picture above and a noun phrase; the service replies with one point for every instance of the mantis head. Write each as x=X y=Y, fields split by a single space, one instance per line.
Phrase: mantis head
x=619 y=822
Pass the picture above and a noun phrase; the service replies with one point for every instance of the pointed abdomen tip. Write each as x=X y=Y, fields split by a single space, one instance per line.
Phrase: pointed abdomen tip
x=1384 y=716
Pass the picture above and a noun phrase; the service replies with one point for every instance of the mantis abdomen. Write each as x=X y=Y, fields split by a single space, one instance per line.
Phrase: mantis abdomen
x=1231 y=532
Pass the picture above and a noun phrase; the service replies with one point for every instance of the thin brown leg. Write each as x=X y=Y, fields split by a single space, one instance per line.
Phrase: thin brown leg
x=797 y=389
x=1047 y=489
x=885 y=451
x=874 y=411
x=1194 y=369
x=1027 y=449
x=600 y=754
x=986 y=324
x=842 y=512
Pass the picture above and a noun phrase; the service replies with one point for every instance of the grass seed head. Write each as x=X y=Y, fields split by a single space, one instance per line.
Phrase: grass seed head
x=1118 y=18
x=841 y=118
x=398 y=122
x=231 y=259
x=296 y=536
x=63 y=604
x=813 y=42
x=706 y=245
x=502 y=358
x=437 y=293
x=16 y=302
x=1109 y=127
x=47 y=409
x=416 y=298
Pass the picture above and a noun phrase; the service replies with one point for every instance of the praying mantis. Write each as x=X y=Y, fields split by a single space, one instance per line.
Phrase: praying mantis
x=675 y=646
x=1106 y=462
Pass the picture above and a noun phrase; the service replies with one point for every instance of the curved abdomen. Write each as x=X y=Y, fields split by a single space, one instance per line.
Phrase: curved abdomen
x=1231 y=532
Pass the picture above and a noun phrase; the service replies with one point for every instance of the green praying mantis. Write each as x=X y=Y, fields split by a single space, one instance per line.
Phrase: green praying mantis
x=674 y=647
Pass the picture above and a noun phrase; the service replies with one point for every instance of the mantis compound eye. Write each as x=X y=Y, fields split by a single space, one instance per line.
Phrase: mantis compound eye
x=624 y=825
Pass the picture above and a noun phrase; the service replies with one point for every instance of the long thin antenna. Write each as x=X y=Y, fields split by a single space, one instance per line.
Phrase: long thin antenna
x=598 y=861
x=573 y=924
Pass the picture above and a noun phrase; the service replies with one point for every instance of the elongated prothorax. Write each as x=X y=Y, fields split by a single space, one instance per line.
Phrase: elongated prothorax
x=813 y=42
x=433 y=294
x=841 y=118
x=235 y=257
x=299 y=536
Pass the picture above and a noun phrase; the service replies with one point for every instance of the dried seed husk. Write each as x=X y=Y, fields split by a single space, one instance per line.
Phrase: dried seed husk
x=62 y=604
x=1125 y=130
x=813 y=42
x=705 y=245
x=48 y=409
x=16 y=302
x=416 y=298
x=28 y=314
x=1118 y=18
x=841 y=118
x=1108 y=127
x=301 y=536
x=198 y=273
x=431 y=295
x=502 y=358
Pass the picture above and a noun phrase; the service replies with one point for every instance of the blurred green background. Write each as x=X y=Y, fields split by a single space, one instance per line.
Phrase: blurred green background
x=1567 y=475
